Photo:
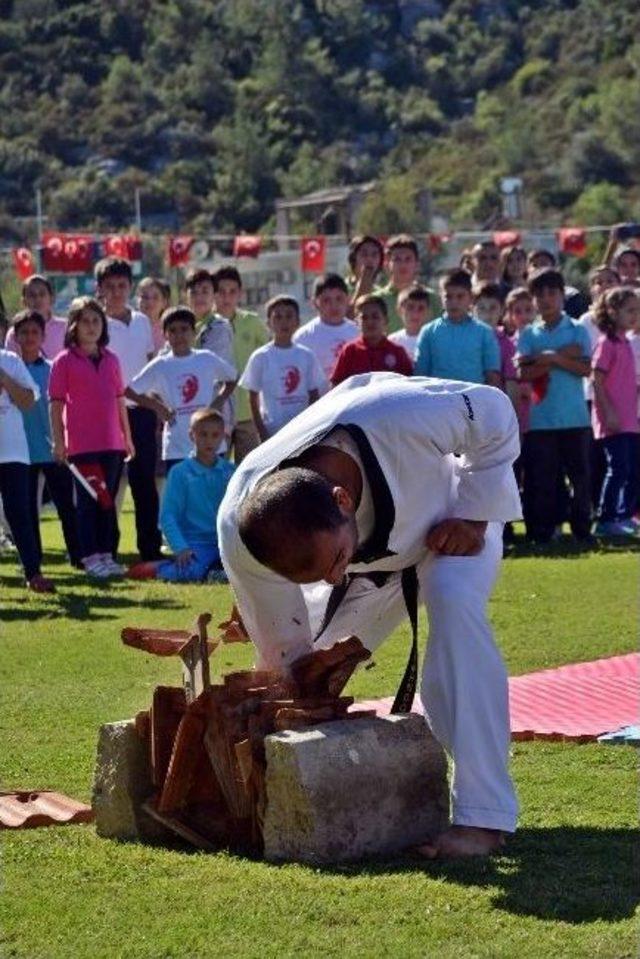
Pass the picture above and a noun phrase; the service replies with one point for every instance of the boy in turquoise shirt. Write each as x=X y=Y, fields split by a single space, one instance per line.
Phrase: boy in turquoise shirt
x=457 y=346
x=193 y=493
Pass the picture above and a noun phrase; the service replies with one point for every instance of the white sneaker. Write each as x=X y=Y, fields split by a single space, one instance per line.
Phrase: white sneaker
x=97 y=570
x=115 y=569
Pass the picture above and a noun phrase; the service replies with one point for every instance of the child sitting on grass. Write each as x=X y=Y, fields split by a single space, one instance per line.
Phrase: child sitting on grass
x=190 y=503
x=283 y=377
x=373 y=351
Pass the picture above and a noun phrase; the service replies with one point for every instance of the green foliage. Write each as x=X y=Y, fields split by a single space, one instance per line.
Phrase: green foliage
x=600 y=203
x=215 y=109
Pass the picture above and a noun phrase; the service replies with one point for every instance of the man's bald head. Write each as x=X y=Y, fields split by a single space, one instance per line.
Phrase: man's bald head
x=279 y=518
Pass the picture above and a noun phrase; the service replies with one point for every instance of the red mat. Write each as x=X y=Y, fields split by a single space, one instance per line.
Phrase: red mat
x=578 y=702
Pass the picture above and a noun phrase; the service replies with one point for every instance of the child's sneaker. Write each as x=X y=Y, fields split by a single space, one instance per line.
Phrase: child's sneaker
x=115 y=569
x=95 y=568
x=613 y=528
x=40 y=584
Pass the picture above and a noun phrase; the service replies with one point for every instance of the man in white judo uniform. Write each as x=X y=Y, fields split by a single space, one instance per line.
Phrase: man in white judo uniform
x=386 y=482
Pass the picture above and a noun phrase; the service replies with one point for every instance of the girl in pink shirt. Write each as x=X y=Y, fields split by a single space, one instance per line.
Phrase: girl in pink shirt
x=90 y=429
x=614 y=410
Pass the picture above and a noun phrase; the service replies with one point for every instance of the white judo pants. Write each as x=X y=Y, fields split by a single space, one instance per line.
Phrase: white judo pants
x=464 y=682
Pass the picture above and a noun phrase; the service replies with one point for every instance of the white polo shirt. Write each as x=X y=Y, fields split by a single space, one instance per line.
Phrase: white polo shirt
x=132 y=343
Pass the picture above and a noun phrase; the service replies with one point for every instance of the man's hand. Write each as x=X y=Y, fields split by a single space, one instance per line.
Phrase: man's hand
x=457 y=537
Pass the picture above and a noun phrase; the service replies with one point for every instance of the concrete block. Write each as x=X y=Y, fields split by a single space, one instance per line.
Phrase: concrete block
x=354 y=788
x=122 y=784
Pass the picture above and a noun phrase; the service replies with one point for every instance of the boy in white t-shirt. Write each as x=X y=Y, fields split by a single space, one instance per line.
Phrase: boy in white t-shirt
x=283 y=377
x=330 y=330
x=177 y=383
x=414 y=307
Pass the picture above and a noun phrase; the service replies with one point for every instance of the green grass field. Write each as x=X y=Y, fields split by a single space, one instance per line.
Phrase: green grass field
x=563 y=888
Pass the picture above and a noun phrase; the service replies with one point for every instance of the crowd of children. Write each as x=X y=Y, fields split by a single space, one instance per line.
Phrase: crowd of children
x=84 y=400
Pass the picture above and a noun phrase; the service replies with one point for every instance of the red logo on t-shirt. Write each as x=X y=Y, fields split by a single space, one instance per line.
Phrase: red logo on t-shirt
x=291 y=379
x=189 y=388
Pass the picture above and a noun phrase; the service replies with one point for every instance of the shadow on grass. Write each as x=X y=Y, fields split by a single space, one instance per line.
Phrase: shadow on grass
x=568 y=874
x=568 y=548
x=104 y=602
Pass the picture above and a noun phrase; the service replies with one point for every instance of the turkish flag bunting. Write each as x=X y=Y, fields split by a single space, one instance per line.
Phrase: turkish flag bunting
x=435 y=242
x=506 y=238
x=67 y=252
x=126 y=246
x=572 y=240
x=313 y=250
x=178 y=250
x=246 y=245
x=24 y=263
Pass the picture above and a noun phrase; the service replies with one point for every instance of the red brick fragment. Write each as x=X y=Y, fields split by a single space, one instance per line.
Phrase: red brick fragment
x=31 y=809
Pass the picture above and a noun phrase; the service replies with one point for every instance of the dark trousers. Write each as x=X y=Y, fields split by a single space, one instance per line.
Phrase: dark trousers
x=142 y=480
x=60 y=485
x=547 y=455
x=619 y=488
x=14 y=489
x=97 y=527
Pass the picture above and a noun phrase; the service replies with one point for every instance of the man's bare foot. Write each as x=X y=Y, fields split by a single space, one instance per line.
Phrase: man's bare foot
x=461 y=842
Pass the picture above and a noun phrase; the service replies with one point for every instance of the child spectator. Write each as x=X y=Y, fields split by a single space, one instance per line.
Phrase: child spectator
x=91 y=431
x=402 y=263
x=190 y=503
x=540 y=259
x=488 y=304
x=29 y=329
x=18 y=393
x=131 y=339
x=38 y=296
x=414 y=306
x=366 y=256
x=283 y=377
x=330 y=330
x=154 y=297
x=625 y=260
x=485 y=258
x=457 y=346
x=614 y=414
x=373 y=351
x=180 y=381
x=519 y=313
x=601 y=278
x=513 y=268
x=245 y=332
x=554 y=355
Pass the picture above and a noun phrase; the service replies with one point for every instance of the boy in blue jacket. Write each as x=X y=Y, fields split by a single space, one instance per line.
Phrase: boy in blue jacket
x=193 y=492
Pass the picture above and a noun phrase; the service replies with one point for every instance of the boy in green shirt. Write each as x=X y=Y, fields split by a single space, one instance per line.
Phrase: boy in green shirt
x=402 y=262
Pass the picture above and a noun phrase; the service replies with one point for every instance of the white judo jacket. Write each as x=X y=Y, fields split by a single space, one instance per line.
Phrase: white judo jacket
x=431 y=449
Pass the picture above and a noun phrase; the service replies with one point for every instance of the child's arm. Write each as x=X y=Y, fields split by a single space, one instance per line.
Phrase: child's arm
x=22 y=396
x=126 y=431
x=256 y=416
x=493 y=378
x=604 y=404
x=57 y=430
x=223 y=394
x=149 y=402
x=170 y=511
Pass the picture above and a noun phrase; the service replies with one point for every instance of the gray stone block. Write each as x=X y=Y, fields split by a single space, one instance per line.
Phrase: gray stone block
x=355 y=788
x=122 y=784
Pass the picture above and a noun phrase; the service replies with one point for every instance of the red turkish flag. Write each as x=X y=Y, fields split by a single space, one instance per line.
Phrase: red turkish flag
x=178 y=250
x=246 y=245
x=125 y=246
x=506 y=238
x=435 y=242
x=313 y=251
x=572 y=240
x=67 y=252
x=24 y=262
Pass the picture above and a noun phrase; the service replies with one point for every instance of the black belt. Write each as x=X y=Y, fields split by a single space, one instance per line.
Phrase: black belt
x=409 y=581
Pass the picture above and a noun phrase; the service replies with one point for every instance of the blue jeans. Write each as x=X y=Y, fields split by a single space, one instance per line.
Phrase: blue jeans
x=618 y=497
x=195 y=571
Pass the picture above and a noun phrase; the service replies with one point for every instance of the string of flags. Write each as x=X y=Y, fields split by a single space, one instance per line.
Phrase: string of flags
x=76 y=253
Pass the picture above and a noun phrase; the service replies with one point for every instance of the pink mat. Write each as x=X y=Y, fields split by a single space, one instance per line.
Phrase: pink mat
x=578 y=702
